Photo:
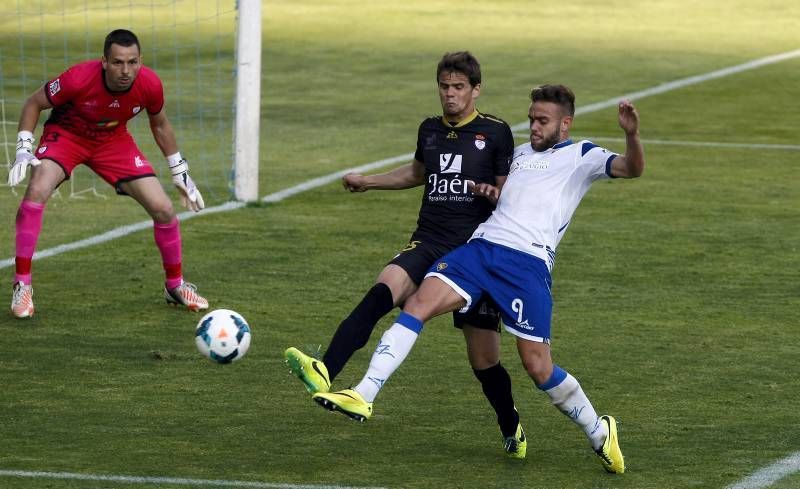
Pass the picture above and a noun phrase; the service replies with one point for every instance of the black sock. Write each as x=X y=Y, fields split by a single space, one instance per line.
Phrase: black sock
x=496 y=385
x=353 y=333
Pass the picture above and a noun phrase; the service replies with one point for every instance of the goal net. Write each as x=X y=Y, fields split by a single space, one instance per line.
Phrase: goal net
x=189 y=43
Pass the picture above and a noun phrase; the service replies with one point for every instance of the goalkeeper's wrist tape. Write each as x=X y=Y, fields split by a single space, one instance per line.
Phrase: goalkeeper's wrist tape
x=177 y=164
x=25 y=141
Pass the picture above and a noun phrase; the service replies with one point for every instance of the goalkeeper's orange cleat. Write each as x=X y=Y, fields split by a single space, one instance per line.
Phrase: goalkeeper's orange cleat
x=22 y=300
x=186 y=295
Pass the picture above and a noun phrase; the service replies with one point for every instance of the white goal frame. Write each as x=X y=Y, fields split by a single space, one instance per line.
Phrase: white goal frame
x=248 y=101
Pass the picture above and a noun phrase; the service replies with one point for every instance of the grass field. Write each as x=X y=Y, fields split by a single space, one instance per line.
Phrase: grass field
x=676 y=295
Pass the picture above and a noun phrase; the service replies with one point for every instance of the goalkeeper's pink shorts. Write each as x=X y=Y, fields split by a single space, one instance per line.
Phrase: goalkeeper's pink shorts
x=115 y=160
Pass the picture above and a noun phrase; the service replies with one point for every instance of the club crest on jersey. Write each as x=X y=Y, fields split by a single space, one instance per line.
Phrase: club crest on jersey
x=136 y=109
x=42 y=150
x=55 y=87
x=441 y=266
x=480 y=144
x=450 y=163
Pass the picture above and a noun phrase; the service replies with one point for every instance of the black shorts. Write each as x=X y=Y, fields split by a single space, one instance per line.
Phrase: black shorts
x=417 y=258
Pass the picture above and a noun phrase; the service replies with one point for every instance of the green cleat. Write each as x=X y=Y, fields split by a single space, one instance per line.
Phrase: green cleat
x=516 y=446
x=610 y=454
x=311 y=371
x=348 y=402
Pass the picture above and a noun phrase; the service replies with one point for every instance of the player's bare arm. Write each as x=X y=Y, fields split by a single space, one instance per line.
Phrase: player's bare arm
x=163 y=133
x=31 y=110
x=164 y=136
x=406 y=176
x=631 y=164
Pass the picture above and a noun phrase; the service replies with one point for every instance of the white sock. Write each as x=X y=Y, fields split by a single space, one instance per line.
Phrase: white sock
x=393 y=348
x=569 y=398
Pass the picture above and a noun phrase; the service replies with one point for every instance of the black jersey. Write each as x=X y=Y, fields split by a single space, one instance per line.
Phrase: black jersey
x=475 y=150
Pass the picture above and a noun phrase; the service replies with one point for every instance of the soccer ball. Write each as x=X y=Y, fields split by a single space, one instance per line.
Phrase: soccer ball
x=223 y=336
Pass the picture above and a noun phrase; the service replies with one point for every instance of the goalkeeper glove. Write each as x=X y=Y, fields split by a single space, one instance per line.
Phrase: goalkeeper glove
x=190 y=195
x=24 y=158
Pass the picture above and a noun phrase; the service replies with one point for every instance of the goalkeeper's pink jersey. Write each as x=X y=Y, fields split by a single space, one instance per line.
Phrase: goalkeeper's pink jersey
x=85 y=107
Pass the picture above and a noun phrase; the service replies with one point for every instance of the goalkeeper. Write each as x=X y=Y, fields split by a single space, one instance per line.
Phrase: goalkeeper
x=91 y=103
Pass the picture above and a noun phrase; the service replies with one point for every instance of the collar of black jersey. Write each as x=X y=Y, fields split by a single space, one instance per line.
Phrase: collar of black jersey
x=463 y=122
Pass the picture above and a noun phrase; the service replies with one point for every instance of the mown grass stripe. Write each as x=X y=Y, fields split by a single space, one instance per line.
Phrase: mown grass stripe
x=324 y=180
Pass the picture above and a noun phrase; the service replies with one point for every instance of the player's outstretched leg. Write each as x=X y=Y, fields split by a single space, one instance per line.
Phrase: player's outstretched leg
x=516 y=446
x=393 y=348
x=22 y=300
x=348 y=402
x=312 y=372
x=185 y=295
x=354 y=331
x=610 y=453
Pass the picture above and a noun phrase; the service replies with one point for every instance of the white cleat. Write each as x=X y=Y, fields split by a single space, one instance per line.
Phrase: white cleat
x=22 y=300
x=186 y=295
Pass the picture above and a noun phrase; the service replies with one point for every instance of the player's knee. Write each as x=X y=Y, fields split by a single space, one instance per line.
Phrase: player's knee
x=40 y=189
x=539 y=367
x=38 y=192
x=484 y=360
x=163 y=212
x=483 y=350
x=418 y=307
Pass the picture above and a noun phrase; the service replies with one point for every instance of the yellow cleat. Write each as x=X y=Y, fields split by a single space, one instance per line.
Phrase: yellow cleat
x=311 y=371
x=610 y=454
x=516 y=446
x=348 y=402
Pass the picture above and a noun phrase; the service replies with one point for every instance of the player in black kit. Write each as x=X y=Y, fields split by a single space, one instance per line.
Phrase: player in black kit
x=458 y=149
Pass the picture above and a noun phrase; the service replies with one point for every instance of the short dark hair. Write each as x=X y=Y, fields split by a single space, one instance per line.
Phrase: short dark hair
x=558 y=94
x=461 y=62
x=122 y=37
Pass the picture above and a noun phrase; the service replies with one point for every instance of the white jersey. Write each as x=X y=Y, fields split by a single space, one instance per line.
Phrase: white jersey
x=541 y=193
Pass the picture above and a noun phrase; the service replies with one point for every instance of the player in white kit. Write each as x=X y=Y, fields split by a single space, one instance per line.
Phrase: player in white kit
x=510 y=256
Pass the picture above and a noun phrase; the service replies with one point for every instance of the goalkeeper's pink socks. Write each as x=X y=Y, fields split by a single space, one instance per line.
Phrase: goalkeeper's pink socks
x=29 y=225
x=168 y=240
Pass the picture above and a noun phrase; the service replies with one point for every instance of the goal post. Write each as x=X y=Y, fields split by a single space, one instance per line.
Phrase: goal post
x=248 y=101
